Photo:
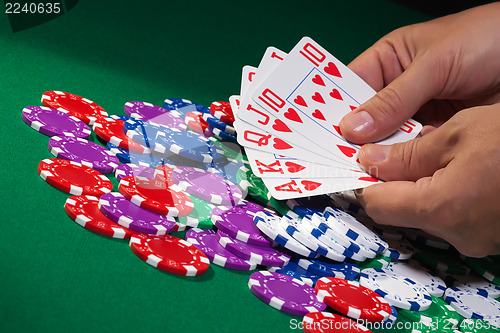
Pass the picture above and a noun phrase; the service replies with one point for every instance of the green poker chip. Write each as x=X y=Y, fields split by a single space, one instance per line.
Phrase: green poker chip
x=253 y=185
x=477 y=326
x=446 y=261
x=199 y=216
x=279 y=205
x=379 y=262
x=486 y=267
x=439 y=309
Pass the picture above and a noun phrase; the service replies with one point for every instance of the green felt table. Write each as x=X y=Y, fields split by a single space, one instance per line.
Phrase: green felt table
x=56 y=276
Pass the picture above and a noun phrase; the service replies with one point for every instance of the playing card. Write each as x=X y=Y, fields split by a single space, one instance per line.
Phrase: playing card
x=310 y=91
x=247 y=74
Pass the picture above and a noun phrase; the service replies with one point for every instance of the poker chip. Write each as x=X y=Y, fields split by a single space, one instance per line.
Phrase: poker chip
x=199 y=216
x=52 y=122
x=438 y=309
x=239 y=223
x=266 y=256
x=342 y=270
x=379 y=262
x=323 y=322
x=179 y=103
x=155 y=196
x=119 y=117
x=164 y=173
x=84 y=152
x=194 y=120
x=170 y=254
x=207 y=186
x=84 y=210
x=284 y=293
x=413 y=270
x=399 y=249
x=470 y=304
x=82 y=108
x=399 y=291
x=73 y=178
x=232 y=151
x=222 y=111
x=207 y=241
x=393 y=316
x=130 y=169
x=155 y=114
x=297 y=272
x=446 y=261
x=120 y=210
x=226 y=168
x=252 y=185
x=352 y=299
x=353 y=229
x=111 y=130
x=422 y=237
x=220 y=125
x=269 y=225
x=222 y=135
x=478 y=326
x=279 y=205
x=485 y=267
x=474 y=282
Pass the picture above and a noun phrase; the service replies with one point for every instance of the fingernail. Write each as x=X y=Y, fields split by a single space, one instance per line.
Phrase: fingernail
x=377 y=153
x=360 y=122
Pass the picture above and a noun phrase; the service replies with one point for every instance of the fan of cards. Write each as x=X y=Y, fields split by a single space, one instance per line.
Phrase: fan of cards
x=287 y=118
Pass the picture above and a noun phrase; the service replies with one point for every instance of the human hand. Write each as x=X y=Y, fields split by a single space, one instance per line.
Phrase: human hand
x=445 y=182
x=436 y=68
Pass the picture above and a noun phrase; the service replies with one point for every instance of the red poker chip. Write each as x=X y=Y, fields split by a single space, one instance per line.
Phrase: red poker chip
x=352 y=299
x=170 y=254
x=73 y=178
x=84 y=210
x=195 y=121
x=326 y=322
x=111 y=130
x=82 y=108
x=156 y=196
x=223 y=112
x=164 y=173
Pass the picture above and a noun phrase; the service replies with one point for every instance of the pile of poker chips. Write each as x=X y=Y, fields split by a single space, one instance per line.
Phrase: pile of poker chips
x=321 y=257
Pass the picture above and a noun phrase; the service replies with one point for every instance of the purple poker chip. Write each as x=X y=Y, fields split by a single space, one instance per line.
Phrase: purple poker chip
x=52 y=122
x=120 y=210
x=238 y=223
x=266 y=256
x=207 y=186
x=285 y=293
x=130 y=169
x=207 y=241
x=84 y=152
x=155 y=114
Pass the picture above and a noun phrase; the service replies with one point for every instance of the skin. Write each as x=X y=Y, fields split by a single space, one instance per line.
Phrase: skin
x=446 y=74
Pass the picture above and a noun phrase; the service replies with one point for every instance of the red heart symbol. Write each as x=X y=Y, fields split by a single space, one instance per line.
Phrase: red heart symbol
x=332 y=70
x=337 y=128
x=280 y=126
x=299 y=100
x=318 y=98
x=335 y=94
x=318 y=80
x=310 y=185
x=352 y=107
x=292 y=115
x=369 y=179
x=347 y=151
x=318 y=115
x=294 y=167
x=280 y=144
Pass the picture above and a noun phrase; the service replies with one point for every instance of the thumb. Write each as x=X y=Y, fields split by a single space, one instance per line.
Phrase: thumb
x=385 y=112
x=410 y=160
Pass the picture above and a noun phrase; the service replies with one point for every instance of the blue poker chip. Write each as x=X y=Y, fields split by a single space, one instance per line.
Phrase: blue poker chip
x=295 y=271
x=179 y=103
x=226 y=168
x=126 y=156
x=221 y=135
x=399 y=291
x=121 y=117
x=391 y=319
x=343 y=270
x=217 y=123
x=142 y=131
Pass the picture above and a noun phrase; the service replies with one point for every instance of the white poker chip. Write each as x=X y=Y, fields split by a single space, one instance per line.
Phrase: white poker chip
x=421 y=275
x=470 y=304
x=397 y=290
x=399 y=249
x=473 y=282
